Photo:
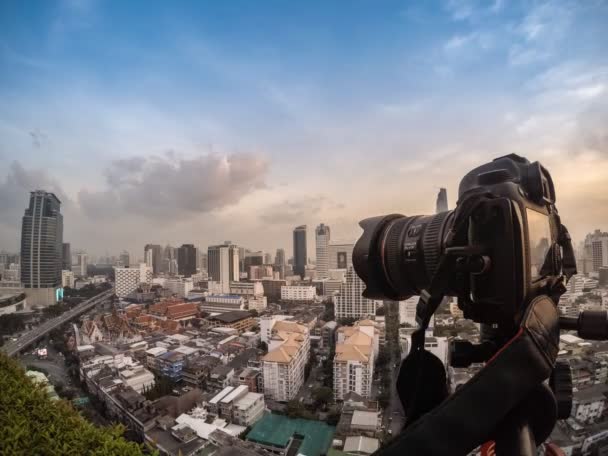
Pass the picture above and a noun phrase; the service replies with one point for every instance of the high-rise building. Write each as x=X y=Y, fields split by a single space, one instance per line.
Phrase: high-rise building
x=223 y=265
x=253 y=259
x=322 y=235
x=596 y=249
x=299 y=250
x=340 y=254
x=186 y=260
x=127 y=280
x=66 y=257
x=42 y=248
x=267 y=258
x=442 y=201
x=354 y=361
x=82 y=264
x=350 y=303
x=125 y=259
x=279 y=258
x=284 y=365
x=153 y=256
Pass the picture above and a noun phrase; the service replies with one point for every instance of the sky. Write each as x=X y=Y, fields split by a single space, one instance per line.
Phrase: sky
x=199 y=122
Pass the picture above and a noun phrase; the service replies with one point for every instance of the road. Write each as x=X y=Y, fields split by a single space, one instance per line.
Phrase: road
x=394 y=409
x=53 y=364
x=13 y=348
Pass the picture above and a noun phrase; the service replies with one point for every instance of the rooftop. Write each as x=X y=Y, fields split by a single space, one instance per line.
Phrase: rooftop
x=277 y=430
x=361 y=444
x=231 y=317
x=234 y=394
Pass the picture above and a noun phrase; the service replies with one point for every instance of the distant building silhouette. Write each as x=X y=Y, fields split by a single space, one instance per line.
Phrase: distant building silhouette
x=442 y=200
x=186 y=260
x=66 y=257
x=299 y=250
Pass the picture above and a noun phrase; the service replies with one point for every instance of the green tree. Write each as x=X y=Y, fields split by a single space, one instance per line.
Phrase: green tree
x=347 y=321
x=263 y=346
x=322 y=396
x=31 y=423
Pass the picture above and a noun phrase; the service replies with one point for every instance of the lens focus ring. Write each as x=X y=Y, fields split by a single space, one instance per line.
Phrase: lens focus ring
x=432 y=242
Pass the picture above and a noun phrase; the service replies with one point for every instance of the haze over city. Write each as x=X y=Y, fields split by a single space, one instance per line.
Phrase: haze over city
x=166 y=124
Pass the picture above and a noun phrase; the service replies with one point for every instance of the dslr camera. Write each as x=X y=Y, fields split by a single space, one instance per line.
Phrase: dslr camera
x=511 y=245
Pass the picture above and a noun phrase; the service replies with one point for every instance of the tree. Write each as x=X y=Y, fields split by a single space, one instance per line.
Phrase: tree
x=322 y=396
x=263 y=346
x=11 y=323
x=328 y=314
x=295 y=409
x=31 y=423
x=347 y=321
x=162 y=387
x=381 y=311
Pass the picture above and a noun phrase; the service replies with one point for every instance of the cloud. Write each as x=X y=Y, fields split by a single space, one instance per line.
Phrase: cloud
x=592 y=129
x=15 y=189
x=173 y=188
x=477 y=39
x=298 y=210
x=538 y=34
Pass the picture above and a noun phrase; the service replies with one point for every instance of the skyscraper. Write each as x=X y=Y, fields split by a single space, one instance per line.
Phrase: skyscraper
x=186 y=260
x=442 y=201
x=66 y=257
x=153 y=259
x=299 y=250
x=42 y=248
x=279 y=258
x=596 y=250
x=322 y=235
x=223 y=265
x=82 y=264
x=350 y=303
x=340 y=254
x=125 y=259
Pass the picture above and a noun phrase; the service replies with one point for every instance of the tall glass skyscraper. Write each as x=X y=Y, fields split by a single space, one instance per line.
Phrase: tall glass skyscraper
x=186 y=260
x=322 y=235
x=299 y=250
x=42 y=248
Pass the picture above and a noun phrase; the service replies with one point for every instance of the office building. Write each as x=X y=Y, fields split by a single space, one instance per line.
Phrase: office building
x=299 y=250
x=67 y=279
x=42 y=248
x=260 y=272
x=82 y=264
x=298 y=293
x=66 y=257
x=340 y=254
x=322 y=235
x=442 y=201
x=283 y=365
x=596 y=250
x=153 y=257
x=127 y=280
x=125 y=259
x=350 y=303
x=354 y=362
x=180 y=286
x=186 y=260
x=279 y=258
x=223 y=265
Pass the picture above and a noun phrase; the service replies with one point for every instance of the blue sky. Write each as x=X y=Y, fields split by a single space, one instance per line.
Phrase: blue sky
x=199 y=121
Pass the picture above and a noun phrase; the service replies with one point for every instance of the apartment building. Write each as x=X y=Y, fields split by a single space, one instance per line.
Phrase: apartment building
x=283 y=366
x=354 y=362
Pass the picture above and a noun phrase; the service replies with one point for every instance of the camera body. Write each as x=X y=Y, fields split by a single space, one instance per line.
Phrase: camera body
x=509 y=254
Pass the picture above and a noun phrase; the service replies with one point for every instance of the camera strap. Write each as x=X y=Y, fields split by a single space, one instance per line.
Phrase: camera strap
x=422 y=378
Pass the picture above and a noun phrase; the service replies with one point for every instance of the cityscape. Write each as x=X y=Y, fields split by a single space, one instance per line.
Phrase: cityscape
x=195 y=349
x=206 y=205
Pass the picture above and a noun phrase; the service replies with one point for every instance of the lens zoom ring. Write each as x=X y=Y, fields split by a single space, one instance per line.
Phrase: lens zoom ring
x=432 y=243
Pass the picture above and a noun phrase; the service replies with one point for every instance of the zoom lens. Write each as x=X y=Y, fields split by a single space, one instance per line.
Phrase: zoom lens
x=397 y=256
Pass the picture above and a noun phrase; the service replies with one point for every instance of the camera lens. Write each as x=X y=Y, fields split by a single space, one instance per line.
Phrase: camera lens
x=397 y=256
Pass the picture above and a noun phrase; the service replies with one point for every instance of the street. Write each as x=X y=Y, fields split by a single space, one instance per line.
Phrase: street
x=35 y=334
